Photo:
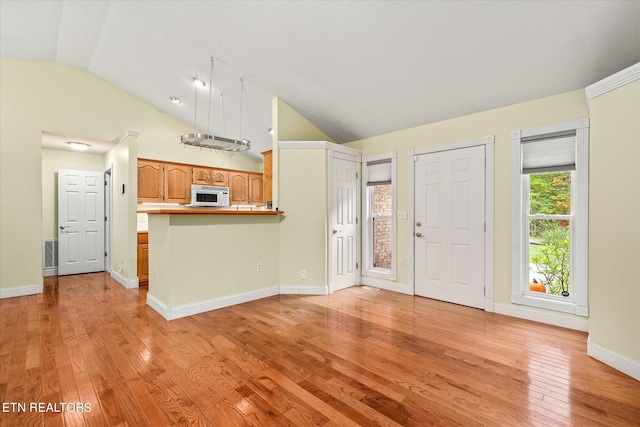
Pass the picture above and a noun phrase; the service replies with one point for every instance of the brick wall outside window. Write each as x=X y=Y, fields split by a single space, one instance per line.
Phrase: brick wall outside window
x=382 y=226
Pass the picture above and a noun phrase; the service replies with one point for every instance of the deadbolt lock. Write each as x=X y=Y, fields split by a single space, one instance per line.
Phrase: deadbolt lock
x=418 y=224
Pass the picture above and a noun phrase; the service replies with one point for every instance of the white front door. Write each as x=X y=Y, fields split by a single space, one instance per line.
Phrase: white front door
x=343 y=237
x=80 y=222
x=449 y=227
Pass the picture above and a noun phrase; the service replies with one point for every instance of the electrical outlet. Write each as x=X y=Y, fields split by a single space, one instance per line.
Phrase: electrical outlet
x=303 y=274
x=401 y=262
x=259 y=267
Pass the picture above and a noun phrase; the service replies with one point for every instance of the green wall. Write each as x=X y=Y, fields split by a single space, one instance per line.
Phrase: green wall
x=37 y=96
x=614 y=221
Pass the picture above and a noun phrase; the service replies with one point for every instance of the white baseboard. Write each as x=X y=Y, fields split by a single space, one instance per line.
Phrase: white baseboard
x=613 y=359
x=303 y=290
x=488 y=305
x=176 y=312
x=386 y=285
x=127 y=283
x=47 y=272
x=20 y=291
x=542 y=317
x=159 y=306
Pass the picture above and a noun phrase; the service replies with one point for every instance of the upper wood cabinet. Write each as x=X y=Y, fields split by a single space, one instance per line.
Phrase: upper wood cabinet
x=220 y=177
x=238 y=187
x=201 y=176
x=267 y=175
x=209 y=176
x=150 y=181
x=163 y=182
x=177 y=183
x=256 y=188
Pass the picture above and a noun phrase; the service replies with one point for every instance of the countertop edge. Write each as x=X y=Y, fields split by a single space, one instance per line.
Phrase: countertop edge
x=207 y=212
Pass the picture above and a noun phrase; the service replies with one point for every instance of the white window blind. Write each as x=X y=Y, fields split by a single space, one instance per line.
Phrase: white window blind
x=552 y=153
x=379 y=172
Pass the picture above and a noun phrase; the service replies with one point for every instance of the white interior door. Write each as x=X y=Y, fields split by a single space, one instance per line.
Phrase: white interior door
x=344 y=207
x=80 y=222
x=449 y=228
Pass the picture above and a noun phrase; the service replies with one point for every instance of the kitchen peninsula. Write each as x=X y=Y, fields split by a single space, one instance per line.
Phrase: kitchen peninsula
x=204 y=259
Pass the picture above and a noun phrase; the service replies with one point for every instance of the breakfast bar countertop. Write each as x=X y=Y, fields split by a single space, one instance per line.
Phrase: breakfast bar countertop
x=201 y=211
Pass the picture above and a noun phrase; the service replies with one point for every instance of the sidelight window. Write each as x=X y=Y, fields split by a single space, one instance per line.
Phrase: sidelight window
x=549 y=216
x=379 y=239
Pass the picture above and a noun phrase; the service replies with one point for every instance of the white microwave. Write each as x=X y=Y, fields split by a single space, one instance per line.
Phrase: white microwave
x=209 y=196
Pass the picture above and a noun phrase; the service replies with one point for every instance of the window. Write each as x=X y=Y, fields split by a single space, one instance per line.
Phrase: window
x=549 y=217
x=379 y=238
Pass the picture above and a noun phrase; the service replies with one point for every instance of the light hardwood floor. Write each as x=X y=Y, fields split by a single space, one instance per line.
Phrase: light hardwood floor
x=356 y=357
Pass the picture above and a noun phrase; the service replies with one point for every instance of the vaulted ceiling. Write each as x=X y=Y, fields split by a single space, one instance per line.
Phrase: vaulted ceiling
x=354 y=68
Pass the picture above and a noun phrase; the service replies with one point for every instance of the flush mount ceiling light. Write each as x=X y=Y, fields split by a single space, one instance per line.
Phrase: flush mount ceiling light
x=208 y=140
x=197 y=82
x=175 y=100
x=78 y=146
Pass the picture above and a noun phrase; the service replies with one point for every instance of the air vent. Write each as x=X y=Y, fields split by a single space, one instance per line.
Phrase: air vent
x=49 y=254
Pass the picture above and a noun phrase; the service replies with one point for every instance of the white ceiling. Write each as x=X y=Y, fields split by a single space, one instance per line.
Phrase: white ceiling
x=354 y=68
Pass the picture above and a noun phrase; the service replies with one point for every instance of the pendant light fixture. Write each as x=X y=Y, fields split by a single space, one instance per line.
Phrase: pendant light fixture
x=208 y=140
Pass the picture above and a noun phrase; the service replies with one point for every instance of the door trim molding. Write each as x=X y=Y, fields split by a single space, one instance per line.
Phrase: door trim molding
x=488 y=143
x=351 y=156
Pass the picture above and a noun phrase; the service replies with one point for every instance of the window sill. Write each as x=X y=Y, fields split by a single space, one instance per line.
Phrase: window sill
x=550 y=304
x=381 y=274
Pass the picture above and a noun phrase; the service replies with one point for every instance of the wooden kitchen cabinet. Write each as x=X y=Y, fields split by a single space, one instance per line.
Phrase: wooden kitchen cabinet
x=143 y=257
x=165 y=182
x=256 y=188
x=177 y=183
x=201 y=176
x=267 y=168
x=209 y=176
x=150 y=181
x=220 y=177
x=238 y=187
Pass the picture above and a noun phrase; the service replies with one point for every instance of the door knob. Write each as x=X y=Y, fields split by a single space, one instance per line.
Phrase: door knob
x=418 y=234
x=62 y=227
x=335 y=231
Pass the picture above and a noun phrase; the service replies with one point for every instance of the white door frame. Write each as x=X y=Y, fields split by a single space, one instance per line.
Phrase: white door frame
x=351 y=155
x=81 y=223
x=108 y=211
x=487 y=141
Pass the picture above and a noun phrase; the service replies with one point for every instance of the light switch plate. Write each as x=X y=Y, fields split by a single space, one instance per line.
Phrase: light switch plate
x=402 y=215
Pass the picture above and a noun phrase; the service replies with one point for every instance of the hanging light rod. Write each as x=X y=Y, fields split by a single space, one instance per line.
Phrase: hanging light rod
x=208 y=140
x=213 y=142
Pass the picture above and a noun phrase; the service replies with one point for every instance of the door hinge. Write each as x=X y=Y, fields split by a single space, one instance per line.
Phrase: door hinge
x=415 y=158
x=357 y=265
x=356 y=221
x=105 y=218
x=105 y=254
x=485 y=227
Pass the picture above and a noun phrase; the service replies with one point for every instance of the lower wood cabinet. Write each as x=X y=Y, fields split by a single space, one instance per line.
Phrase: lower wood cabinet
x=143 y=257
